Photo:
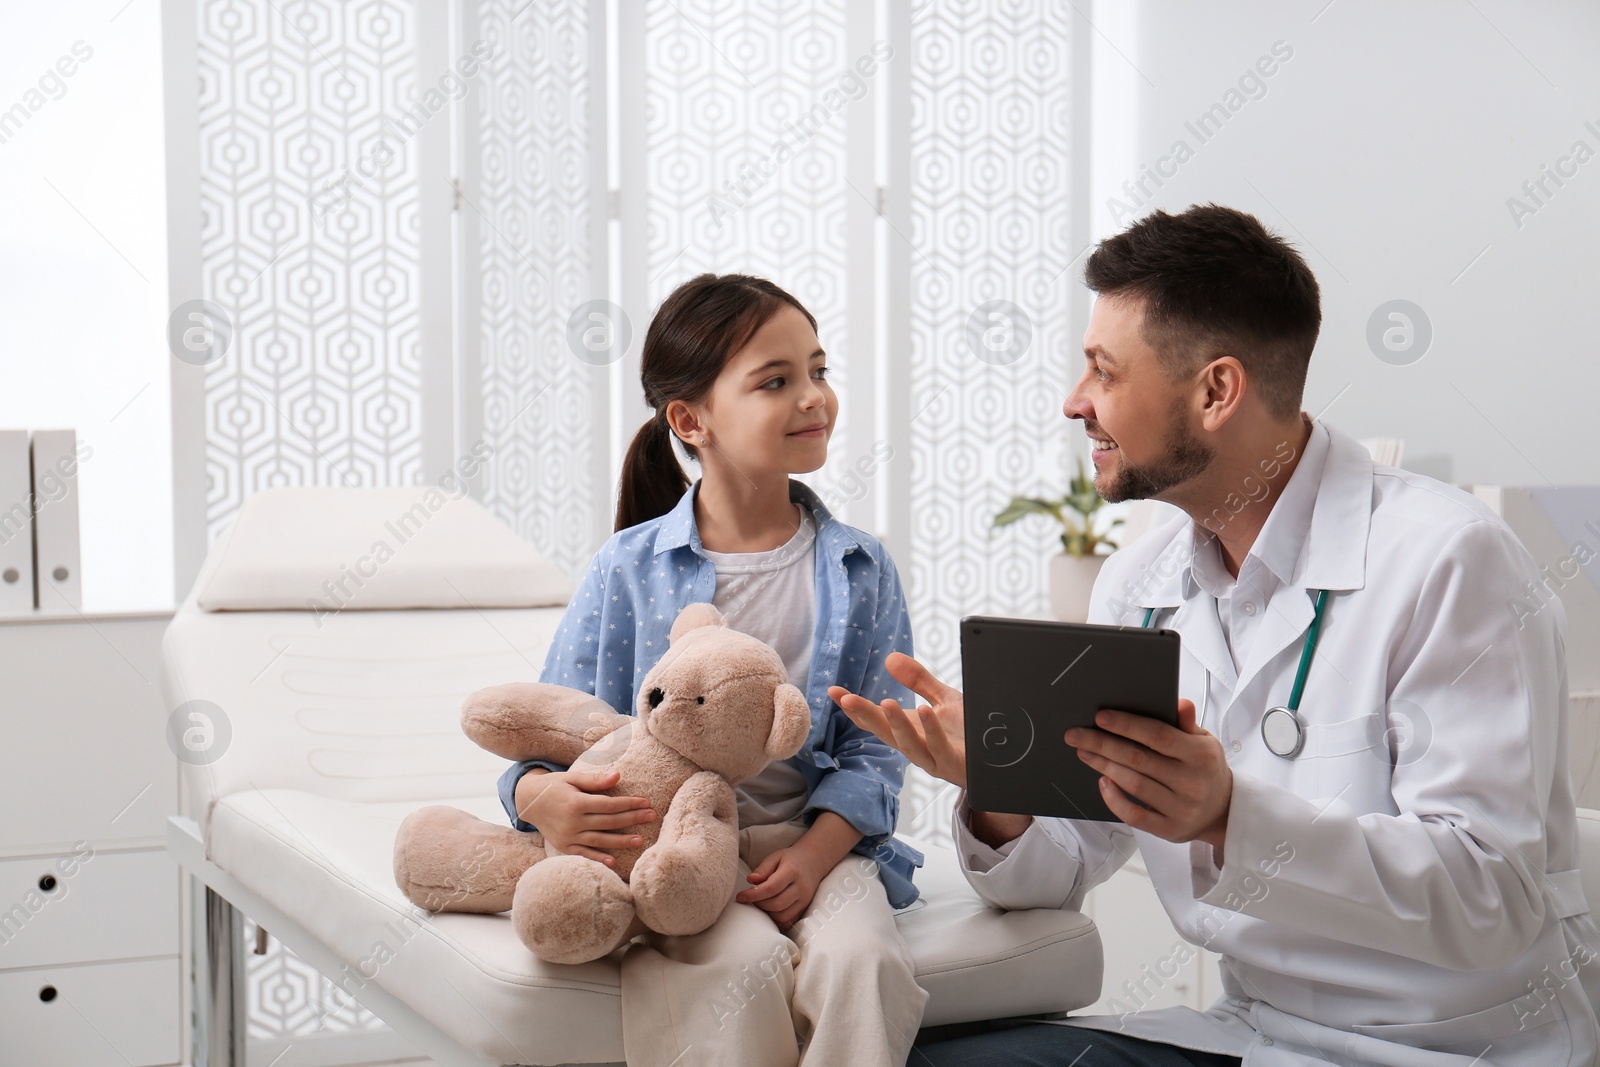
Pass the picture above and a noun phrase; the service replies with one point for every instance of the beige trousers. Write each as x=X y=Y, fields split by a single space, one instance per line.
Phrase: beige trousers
x=839 y=988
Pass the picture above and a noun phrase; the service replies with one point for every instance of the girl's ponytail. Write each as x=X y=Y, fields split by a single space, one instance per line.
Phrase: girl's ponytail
x=652 y=479
x=694 y=333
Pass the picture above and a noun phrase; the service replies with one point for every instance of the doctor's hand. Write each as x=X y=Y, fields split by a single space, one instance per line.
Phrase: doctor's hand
x=933 y=736
x=574 y=815
x=1179 y=773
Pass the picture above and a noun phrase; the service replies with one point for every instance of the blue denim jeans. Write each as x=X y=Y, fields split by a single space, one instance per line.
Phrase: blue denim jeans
x=1044 y=1045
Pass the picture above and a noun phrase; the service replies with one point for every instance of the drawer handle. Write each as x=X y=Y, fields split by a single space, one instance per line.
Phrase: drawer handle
x=47 y=994
x=47 y=882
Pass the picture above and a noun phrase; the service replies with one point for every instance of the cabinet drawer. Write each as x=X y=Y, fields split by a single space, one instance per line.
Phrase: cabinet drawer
x=102 y=906
x=84 y=723
x=112 y=1014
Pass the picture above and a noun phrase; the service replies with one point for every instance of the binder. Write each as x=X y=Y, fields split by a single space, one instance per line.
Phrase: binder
x=16 y=524
x=55 y=520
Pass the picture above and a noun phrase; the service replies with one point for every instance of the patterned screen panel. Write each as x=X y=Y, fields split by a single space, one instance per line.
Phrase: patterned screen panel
x=532 y=209
x=310 y=244
x=310 y=238
x=991 y=282
x=728 y=87
x=746 y=124
x=286 y=996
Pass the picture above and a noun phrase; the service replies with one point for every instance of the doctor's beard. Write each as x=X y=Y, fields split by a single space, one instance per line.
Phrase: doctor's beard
x=1186 y=457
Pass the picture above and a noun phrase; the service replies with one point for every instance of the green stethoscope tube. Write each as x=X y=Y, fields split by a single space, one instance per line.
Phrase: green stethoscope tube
x=1305 y=653
x=1291 y=748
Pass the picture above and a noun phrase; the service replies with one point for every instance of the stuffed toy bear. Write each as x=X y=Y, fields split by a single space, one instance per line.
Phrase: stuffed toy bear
x=713 y=712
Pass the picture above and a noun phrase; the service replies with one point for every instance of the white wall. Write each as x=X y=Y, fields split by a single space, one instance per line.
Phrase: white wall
x=1386 y=148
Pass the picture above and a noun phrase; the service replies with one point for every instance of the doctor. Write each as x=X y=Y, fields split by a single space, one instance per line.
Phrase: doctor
x=1384 y=854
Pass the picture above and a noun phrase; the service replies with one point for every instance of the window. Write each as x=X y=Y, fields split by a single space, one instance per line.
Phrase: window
x=83 y=275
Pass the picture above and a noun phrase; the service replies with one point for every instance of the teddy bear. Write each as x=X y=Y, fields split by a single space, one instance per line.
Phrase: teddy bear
x=713 y=712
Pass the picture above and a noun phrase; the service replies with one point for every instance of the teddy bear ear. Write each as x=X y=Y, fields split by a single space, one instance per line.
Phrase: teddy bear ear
x=693 y=617
x=791 y=722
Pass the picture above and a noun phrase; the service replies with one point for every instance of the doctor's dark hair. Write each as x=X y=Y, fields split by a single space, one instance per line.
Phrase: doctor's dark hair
x=696 y=330
x=1214 y=282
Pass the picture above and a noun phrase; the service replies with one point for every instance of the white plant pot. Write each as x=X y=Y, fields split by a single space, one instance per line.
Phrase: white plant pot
x=1071 y=582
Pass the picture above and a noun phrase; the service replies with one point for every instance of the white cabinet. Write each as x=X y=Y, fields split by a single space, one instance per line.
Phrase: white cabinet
x=109 y=1013
x=88 y=905
x=89 y=920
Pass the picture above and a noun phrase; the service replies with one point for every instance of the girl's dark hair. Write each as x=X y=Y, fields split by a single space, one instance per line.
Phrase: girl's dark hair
x=695 y=332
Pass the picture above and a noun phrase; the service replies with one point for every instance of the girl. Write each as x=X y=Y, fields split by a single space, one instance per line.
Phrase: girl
x=809 y=950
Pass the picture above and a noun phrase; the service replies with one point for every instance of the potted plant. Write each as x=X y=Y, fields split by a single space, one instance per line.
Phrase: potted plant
x=1083 y=537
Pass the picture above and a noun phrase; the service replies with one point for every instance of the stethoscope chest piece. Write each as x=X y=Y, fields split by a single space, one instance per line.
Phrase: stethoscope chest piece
x=1283 y=732
x=1282 y=729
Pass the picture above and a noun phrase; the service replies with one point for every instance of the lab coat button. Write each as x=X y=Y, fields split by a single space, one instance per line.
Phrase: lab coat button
x=1237 y=746
x=1249 y=607
x=1266 y=1041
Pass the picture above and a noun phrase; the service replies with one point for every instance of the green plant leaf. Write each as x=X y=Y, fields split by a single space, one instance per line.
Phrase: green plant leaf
x=1081 y=534
x=1023 y=506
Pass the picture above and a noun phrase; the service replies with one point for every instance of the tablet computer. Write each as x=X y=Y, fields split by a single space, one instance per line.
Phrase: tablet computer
x=1026 y=681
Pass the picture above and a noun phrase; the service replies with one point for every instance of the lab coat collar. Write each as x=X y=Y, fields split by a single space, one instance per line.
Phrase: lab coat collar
x=1334 y=556
x=1288 y=525
x=1331 y=555
x=678 y=528
x=1203 y=638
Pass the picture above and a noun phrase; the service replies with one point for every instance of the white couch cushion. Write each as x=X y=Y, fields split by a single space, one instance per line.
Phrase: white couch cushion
x=328 y=550
x=329 y=863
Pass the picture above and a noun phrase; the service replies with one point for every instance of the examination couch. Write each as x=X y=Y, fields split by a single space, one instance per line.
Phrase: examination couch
x=316 y=672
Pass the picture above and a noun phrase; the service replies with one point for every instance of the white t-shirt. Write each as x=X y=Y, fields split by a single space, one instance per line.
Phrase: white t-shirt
x=772 y=596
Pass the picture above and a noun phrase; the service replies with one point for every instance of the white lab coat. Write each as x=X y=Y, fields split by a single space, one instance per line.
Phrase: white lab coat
x=1404 y=892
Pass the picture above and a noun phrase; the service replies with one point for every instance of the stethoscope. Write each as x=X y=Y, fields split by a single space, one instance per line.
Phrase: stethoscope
x=1283 y=731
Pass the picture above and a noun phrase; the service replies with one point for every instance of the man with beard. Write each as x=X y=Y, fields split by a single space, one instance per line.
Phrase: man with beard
x=1365 y=806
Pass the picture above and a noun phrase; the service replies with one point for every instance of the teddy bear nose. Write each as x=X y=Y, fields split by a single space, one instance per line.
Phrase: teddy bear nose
x=656 y=697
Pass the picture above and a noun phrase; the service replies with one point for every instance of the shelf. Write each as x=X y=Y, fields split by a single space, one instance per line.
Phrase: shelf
x=84 y=616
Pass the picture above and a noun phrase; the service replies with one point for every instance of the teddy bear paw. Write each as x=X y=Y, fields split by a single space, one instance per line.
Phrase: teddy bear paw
x=571 y=909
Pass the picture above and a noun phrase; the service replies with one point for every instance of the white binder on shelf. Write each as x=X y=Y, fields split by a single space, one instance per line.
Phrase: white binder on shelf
x=16 y=524
x=55 y=519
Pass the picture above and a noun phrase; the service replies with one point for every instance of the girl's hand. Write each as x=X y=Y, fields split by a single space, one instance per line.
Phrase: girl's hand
x=932 y=737
x=575 y=818
x=785 y=883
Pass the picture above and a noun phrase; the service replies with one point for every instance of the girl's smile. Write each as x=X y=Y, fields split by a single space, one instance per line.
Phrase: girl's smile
x=774 y=388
